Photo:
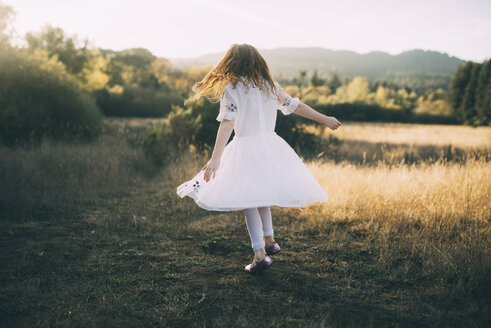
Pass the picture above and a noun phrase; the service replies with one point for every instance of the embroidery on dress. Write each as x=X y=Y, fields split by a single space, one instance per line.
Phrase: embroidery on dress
x=287 y=101
x=196 y=186
x=231 y=107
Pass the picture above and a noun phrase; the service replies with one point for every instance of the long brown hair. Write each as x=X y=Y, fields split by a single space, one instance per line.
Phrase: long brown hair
x=240 y=60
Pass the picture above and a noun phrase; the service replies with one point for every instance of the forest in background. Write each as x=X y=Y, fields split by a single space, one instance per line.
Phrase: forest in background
x=60 y=87
x=417 y=69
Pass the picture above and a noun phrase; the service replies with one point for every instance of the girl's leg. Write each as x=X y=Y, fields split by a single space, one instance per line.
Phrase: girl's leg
x=265 y=213
x=267 y=221
x=255 y=228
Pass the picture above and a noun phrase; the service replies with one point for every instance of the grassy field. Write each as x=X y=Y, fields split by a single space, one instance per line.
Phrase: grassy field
x=104 y=241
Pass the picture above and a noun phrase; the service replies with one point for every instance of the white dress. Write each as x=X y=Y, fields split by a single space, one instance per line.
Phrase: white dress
x=258 y=167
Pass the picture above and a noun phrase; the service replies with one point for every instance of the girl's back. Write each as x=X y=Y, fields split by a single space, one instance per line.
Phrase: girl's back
x=253 y=109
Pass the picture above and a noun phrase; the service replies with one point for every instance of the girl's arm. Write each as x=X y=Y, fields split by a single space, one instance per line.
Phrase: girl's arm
x=290 y=105
x=310 y=113
x=223 y=134
x=224 y=131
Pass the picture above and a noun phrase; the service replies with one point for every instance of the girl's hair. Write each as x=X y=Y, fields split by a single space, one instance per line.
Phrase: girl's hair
x=240 y=60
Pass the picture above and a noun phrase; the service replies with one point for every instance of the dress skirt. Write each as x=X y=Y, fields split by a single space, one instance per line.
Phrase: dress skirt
x=255 y=171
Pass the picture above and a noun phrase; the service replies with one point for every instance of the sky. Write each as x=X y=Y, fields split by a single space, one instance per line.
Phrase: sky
x=189 y=28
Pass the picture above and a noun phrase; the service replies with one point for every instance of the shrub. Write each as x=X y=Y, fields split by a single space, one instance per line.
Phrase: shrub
x=164 y=141
x=376 y=113
x=39 y=99
x=135 y=101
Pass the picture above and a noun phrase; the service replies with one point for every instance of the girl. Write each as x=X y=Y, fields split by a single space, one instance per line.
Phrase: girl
x=258 y=168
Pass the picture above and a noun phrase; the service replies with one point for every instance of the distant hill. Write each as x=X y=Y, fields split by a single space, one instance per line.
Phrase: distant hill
x=419 y=69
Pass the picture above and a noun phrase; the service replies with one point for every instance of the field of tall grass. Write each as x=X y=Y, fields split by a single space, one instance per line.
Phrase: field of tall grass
x=403 y=241
x=413 y=198
x=64 y=178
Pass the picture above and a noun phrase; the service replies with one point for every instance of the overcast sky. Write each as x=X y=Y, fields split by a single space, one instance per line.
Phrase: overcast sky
x=188 y=28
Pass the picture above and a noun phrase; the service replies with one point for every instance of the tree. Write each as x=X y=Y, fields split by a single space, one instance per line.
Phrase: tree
x=468 y=102
x=334 y=83
x=483 y=94
x=54 y=40
x=135 y=66
x=457 y=88
x=300 y=80
x=381 y=95
x=316 y=81
x=469 y=93
x=6 y=15
x=86 y=65
x=357 y=90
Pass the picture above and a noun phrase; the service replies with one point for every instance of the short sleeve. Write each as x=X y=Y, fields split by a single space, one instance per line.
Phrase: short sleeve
x=228 y=106
x=286 y=104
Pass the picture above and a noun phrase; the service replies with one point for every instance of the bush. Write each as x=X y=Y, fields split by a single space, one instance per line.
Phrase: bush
x=39 y=99
x=164 y=141
x=375 y=113
x=132 y=101
x=361 y=112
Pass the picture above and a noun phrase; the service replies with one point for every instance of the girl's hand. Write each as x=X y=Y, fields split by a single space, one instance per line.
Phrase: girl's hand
x=332 y=123
x=211 y=168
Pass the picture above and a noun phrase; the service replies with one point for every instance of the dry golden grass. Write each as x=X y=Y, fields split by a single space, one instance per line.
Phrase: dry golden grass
x=398 y=143
x=452 y=191
x=439 y=208
x=133 y=123
x=412 y=134
x=62 y=179
x=436 y=207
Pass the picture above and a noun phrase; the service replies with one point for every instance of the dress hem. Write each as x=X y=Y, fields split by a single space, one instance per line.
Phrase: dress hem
x=281 y=204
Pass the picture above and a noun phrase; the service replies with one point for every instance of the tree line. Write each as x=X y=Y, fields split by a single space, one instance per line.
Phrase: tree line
x=58 y=86
x=470 y=93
